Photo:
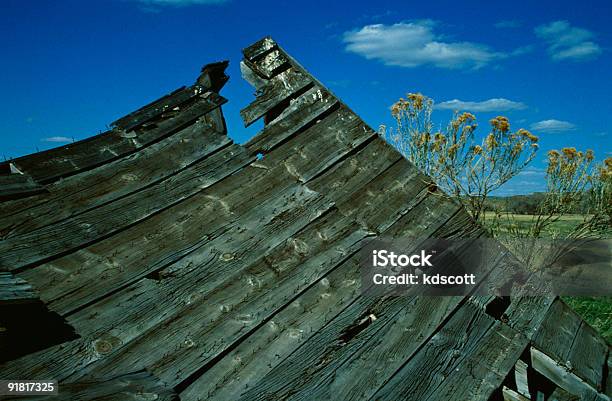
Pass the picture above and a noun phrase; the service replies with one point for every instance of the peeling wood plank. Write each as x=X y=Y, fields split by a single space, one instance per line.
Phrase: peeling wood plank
x=50 y=165
x=78 y=194
x=280 y=88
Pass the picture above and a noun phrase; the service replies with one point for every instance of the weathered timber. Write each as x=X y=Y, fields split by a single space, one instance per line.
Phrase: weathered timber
x=15 y=290
x=157 y=108
x=228 y=277
x=588 y=355
x=305 y=109
x=269 y=65
x=561 y=395
x=521 y=378
x=212 y=78
x=78 y=194
x=511 y=395
x=558 y=332
x=271 y=343
x=563 y=377
x=95 y=224
x=319 y=147
x=259 y=48
x=18 y=186
x=471 y=341
x=48 y=166
x=164 y=237
x=287 y=84
x=109 y=327
x=352 y=341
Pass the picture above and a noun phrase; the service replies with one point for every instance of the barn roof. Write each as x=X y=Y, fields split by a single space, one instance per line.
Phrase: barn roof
x=169 y=262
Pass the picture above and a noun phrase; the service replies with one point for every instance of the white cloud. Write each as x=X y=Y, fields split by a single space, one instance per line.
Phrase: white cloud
x=411 y=44
x=532 y=172
x=180 y=2
x=552 y=126
x=495 y=104
x=60 y=139
x=566 y=42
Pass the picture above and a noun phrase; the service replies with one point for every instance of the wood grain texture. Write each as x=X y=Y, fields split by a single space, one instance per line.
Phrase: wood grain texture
x=18 y=186
x=48 y=166
x=563 y=377
x=15 y=290
x=278 y=89
x=78 y=194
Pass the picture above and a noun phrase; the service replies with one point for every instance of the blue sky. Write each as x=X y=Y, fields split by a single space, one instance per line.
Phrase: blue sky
x=69 y=68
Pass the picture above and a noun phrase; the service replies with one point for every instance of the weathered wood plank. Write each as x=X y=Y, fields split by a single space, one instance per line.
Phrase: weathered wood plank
x=332 y=361
x=278 y=89
x=76 y=232
x=17 y=186
x=588 y=355
x=270 y=64
x=114 y=322
x=156 y=108
x=511 y=395
x=521 y=378
x=270 y=344
x=162 y=238
x=78 y=194
x=558 y=331
x=562 y=377
x=15 y=290
x=471 y=341
x=321 y=146
x=50 y=165
x=241 y=303
x=259 y=48
x=561 y=395
x=304 y=110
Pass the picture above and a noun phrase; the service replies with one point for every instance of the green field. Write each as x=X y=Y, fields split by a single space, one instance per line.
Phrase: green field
x=560 y=227
x=597 y=311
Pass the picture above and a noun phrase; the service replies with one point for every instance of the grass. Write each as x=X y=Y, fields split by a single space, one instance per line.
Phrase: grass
x=597 y=311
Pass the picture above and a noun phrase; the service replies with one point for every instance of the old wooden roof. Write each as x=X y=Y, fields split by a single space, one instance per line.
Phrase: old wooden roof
x=168 y=262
